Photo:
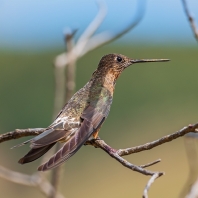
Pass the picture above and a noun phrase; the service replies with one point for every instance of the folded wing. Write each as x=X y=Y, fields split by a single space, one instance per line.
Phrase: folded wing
x=92 y=118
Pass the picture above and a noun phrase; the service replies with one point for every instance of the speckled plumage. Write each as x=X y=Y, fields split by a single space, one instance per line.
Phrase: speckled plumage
x=83 y=115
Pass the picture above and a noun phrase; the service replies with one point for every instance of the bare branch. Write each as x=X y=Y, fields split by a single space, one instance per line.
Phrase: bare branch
x=191 y=20
x=18 y=133
x=189 y=189
x=141 y=169
x=70 y=69
x=62 y=59
x=91 y=29
x=165 y=139
x=116 y=154
x=151 y=180
x=87 y=43
x=113 y=153
x=150 y=164
x=55 y=180
x=34 y=180
x=59 y=90
x=107 y=37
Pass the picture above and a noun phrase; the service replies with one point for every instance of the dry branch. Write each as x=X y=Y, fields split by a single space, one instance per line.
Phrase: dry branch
x=18 y=133
x=35 y=180
x=168 y=138
x=190 y=189
x=151 y=180
x=150 y=164
x=108 y=36
x=87 y=42
x=63 y=59
x=116 y=154
x=191 y=19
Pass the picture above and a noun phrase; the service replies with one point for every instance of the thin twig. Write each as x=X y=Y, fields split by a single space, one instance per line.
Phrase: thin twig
x=86 y=43
x=34 y=180
x=62 y=59
x=189 y=189
x=151 y=180
x=108 y=36
x=191 y=20
x=59 y=90
x=91 y=29
x=150 y=164
x=113 y=153
x=70 y=68
x=167 y=138
x=140 y=169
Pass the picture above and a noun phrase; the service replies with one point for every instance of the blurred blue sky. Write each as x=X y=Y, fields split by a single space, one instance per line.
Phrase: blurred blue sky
x=39 y=24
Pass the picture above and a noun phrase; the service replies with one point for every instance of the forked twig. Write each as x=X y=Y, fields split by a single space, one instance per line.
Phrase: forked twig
x=34 y=180
x=87 y=42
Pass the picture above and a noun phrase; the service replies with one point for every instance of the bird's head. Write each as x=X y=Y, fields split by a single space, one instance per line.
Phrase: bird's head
x=118 y=62
x=112 y=65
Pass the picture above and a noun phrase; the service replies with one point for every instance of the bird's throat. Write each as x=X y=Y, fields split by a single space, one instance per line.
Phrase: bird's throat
x=106 y=79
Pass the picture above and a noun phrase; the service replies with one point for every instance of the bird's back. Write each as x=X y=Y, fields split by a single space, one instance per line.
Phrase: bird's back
x=92 y=94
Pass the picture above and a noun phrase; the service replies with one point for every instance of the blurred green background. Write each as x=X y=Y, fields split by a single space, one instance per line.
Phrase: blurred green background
x=151 y=100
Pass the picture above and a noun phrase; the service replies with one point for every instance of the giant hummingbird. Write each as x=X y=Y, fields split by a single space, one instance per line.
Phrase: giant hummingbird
x=83 y=115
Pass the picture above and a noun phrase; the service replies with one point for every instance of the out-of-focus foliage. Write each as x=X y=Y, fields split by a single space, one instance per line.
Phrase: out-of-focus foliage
x=151 y=100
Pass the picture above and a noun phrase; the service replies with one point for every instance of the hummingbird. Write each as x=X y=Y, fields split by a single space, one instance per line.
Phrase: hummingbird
x=82 y=116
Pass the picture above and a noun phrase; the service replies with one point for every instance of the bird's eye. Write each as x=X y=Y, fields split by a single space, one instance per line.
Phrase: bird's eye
x=119 y=59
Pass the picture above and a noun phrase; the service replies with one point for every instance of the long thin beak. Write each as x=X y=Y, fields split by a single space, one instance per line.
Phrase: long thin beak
x=148 y=60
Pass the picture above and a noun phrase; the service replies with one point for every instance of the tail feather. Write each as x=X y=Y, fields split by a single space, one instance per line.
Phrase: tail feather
x=35 y=153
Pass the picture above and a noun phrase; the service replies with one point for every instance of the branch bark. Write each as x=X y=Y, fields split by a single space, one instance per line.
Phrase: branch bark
x=191 y=19
x=127 y=151
x=167 y=138
x=18 y=133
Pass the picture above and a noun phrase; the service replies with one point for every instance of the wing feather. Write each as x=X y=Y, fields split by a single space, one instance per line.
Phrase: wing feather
x=92 y=120
x=34 y=154
x=49 y=137
x=70 y=147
